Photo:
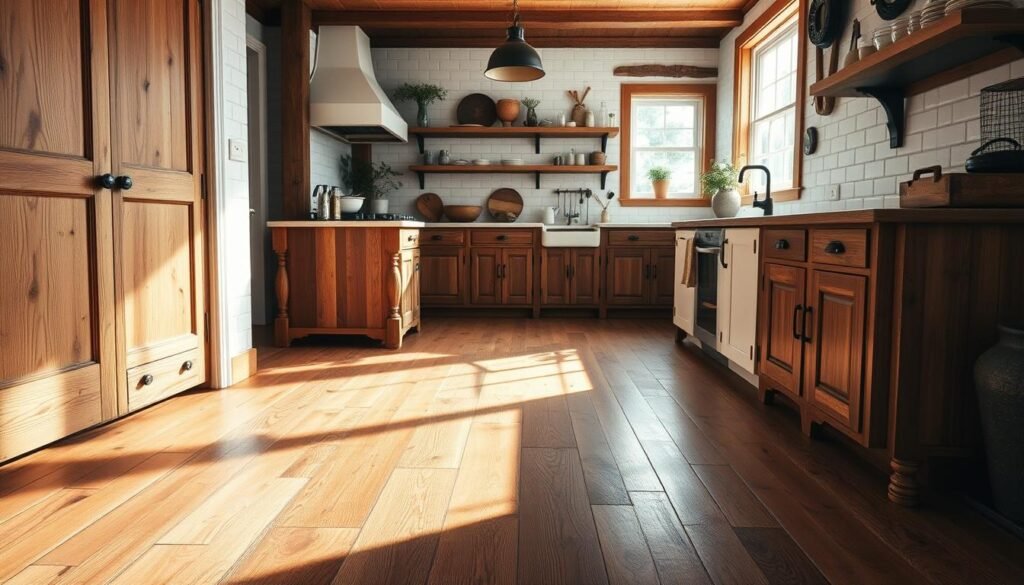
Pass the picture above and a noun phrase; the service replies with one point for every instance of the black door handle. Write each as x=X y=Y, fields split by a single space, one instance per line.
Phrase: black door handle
x=796 y=315
x=187 y=366
x=647 y=271
x=147 y=380
x=124 y=182
x=436 y=237
x=572 y=271
x=721 y=253
x=803 y=324
x=502 y=238
x=835 y=247
x=654 y=271
x=106 y=180
x=782 y=244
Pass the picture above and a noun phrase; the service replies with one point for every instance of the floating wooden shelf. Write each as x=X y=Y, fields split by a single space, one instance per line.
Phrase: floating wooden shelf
x=538 y=170
x=514 y=132
x=961 y=44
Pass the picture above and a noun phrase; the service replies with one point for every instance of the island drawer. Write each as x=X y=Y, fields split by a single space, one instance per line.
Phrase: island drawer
x=440 y=237
x=785 y=244
x=841 y=247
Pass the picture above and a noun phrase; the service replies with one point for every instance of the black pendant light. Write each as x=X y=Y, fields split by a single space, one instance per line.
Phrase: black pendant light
x=514 y=60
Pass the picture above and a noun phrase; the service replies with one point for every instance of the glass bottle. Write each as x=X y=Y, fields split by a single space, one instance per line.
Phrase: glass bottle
x=602 y=116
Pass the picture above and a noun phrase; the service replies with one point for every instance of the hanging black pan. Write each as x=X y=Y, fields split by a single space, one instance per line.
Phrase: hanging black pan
x=997 y=161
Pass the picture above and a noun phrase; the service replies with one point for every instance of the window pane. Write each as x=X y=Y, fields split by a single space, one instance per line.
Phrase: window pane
x=681 y=163
x=772 y=143
x=680 y=116
x=650 y=116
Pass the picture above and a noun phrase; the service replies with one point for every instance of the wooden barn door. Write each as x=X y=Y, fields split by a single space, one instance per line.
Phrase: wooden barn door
x=57 y=358
x=158 y=221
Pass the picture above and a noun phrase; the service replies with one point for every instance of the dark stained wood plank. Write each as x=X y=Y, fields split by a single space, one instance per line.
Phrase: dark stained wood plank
x=604 y=483
x=296 y=20
x=546 y=423
x=780 y=559
x=739 y=505
x=558 y=541
x=689 y=497
x=688 y=438
x=673 y=554
x=723 y=555
x=626 y=555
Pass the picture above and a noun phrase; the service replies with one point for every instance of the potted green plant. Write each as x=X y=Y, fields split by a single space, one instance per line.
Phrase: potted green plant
x=373 y=181
x=423 y=94
x=531 y=111
x=719 y=183
x=660 y=178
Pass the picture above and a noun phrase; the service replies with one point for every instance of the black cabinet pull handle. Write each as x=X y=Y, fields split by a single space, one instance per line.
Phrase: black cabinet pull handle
x=187 y=366
x=412 y=238
x=796 y=315
x=502 y=237
x=124 y=182
x=803 y=324
x=572 y=271
x=501 y=271
x=654 y=271
x=835 y=247
x=436 y=237
x=721 y=254
x=634 y=238
x=147 y=380
x=647 y=271
x=782 y=244
x=106 y=180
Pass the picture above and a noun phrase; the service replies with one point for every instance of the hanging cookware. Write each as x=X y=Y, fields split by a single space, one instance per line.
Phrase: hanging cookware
x=996 y=161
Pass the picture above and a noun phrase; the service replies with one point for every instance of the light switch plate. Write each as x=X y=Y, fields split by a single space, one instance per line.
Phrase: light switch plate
x=833 y=193
x=238 y=151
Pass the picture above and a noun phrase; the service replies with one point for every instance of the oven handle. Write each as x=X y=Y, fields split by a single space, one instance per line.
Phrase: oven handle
x=715 y=250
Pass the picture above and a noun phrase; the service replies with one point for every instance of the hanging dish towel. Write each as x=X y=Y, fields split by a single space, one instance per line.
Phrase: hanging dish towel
x=689 y=279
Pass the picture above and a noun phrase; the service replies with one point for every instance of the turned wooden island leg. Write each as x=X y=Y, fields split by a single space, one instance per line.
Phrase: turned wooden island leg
x=280 y=243
x=904 y=488
x=393 y=331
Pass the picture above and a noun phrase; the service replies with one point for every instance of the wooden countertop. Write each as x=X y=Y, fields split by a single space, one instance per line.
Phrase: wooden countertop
x=861 y=216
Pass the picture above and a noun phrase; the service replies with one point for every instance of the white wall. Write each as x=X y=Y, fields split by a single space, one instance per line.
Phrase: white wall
x=325 y=154
x=942 y=129
x=460 y=71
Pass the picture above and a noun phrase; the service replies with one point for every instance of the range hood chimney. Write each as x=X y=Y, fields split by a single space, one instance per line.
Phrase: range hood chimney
x=344 y=97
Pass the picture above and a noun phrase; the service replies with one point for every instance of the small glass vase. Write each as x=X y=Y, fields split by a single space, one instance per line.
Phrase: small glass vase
x=422 y=119
x=531 y=117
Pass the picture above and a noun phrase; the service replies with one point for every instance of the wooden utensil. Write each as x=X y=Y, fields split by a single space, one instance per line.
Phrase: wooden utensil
x=505 y=205
x=462 y=213
x=477 y=108
x=430 y=206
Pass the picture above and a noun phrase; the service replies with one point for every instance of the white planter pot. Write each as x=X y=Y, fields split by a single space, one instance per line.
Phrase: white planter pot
x=378 y=206
x=726 y=203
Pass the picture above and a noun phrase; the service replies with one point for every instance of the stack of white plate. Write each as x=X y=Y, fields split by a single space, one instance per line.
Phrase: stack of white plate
x=882 y=37
x=512 y=161
x=460 y=162
x=933 y=11
x=481 y=162
x=954 y=5
x=899 y=28
x=915 y=21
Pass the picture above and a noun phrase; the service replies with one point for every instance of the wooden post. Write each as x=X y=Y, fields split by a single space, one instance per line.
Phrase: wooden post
x=904 y=488
x=296 y=22
x=280 y=243
x=393 y=332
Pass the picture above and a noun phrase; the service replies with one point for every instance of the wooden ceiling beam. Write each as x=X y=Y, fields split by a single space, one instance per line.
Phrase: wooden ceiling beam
x=674 y=42
x=532 y=20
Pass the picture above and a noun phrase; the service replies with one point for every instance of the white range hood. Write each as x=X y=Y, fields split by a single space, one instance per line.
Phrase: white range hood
x=344 y=97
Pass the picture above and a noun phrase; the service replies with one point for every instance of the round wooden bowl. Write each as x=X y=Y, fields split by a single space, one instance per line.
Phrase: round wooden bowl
x=462 y=213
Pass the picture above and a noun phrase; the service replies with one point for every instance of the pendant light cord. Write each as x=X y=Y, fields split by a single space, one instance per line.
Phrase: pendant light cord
x=515 y=12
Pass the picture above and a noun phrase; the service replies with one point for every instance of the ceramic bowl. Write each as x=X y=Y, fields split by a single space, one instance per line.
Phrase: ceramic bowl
x=351 y=204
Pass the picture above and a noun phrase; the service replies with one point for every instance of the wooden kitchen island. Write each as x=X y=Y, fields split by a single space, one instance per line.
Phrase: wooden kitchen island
x=346 y=278
x=870 y=323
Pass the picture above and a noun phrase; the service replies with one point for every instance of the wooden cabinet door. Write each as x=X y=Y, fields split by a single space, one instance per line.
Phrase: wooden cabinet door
x=684 y=297
x=443 y=276
x=517 y=276
x=58 y=369
x=782 y=303
x=156 y=81
x=484 y=269
x=737 y=297
x=836 y=328
x=410 y=286
x=554 y=276
x=662 y=281
x=584 y=276
x=627 y=276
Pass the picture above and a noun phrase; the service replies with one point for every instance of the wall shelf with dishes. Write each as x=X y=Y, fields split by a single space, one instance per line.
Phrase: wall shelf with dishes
x=956 y=46
x=538 y=170
x=536 y=133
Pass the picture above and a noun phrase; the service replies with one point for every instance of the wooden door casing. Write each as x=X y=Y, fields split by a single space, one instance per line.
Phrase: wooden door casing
x=684 y=297
x=835 y=327
x=585 y=280
x=517 y=276
x=626 y=277
x=58 y=369
x=737 y=297
x=156 y=79
x=782 y=301
x=485 y=287
x=662 y=282
x=443 y=276
x=554 y=274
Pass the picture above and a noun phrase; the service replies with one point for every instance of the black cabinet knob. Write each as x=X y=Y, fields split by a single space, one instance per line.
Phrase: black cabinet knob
x=436 y=237
x=633 y=237
x=412 y=238
x=782 y=244
x=106 y=180
x=124 y=182
x=835 y=247
x=187 y=366
x=502 y=238
x=147 y=380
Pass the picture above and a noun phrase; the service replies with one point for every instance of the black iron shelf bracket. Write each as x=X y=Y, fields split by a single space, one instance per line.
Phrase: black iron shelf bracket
x=893 y=101
x=419 y=141
x=1015 y=40
x=423 y=179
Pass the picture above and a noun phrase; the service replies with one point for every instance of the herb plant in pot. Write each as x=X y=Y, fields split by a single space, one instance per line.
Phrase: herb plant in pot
x=373 y=181
x=531 y=111
x=719 y=183
x=423 y=94
x=660 y=178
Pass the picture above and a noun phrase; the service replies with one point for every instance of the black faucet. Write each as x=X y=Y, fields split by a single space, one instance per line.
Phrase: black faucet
x=766 y=203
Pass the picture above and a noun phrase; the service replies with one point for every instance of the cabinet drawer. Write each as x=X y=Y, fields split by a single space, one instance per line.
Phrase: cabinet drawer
x=842 y=247
x=165 y=377
x=442 y=237
x=409 y=239
x=785 y=244
x=619 y=237
x=496 y=237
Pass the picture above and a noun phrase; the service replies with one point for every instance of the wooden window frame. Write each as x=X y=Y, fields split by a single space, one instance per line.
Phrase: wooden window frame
x=707 y=93
x=771 y=21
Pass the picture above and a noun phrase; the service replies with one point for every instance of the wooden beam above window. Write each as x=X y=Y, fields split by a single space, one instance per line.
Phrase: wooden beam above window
x=532 y=20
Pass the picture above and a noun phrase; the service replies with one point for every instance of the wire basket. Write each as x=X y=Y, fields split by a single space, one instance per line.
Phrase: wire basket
x=1002 y=114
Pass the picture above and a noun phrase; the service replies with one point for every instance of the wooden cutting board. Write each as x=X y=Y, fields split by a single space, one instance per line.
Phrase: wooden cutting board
x=430 y=206
x=505 y=205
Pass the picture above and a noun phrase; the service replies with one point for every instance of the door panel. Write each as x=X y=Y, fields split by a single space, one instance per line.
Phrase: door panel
x=627 y=276
x=485 y=288
x=443 y=275
x=684 y=297
x=554 y=276
x=585 y=284
x=782 y=297
x=737 y=297
x=663 y=266
x=57 y=356
x=517 y=276
x=836 y=327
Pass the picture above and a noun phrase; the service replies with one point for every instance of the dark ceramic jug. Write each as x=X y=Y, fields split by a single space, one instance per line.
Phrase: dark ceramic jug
x=999 y=378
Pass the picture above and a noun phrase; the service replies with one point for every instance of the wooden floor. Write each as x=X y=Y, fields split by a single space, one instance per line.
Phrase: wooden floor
x=486 y=451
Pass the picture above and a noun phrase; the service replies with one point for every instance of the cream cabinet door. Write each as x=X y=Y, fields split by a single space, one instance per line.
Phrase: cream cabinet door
x=683 y=304
x=737 y=297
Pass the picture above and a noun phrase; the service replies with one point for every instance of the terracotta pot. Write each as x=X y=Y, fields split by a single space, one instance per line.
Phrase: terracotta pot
x=508 y=111
x=660 y=188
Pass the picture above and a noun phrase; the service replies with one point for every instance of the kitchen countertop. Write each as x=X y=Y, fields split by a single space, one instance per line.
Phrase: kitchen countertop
x=473 y=225
x=319 y=223
x=861 y=216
